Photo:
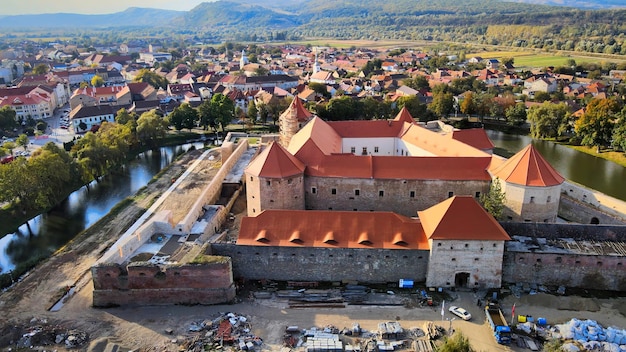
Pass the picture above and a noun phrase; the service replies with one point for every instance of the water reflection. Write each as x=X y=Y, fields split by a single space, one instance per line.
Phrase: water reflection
x=588 y=170
x=83 y=208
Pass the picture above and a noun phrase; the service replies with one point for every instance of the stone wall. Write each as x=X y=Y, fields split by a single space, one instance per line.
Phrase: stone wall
x=325 y=264
x=212 y=191
x=403 y=197
x=574 y=210
x=574 y=231
x=571 y=270
x=598 y=202
x=142 y=283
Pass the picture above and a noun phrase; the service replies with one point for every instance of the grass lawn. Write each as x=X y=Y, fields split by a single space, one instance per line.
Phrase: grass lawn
x=527 y=59
x=616 y=157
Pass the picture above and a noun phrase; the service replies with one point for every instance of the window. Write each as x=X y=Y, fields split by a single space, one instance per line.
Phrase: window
x=538 y=260
x=549 y=199
x=450 y=194
x=268 y=183
x=251 y=178
x=412 y=194
x=509 y=218
x=475 y=259
x=333 y=191
x=477 y=194
x=289 y=181
x=532 y=199
x=599 y=263
x=558 y=259
x=577 y=262
x=375 y=149
x=364 y=152
x=438 y=244
x=357 y=192
x=381 y=193
x=313 y=190
x=454 y=259
x=494 y=245
x=352 y=150
x=467 y=245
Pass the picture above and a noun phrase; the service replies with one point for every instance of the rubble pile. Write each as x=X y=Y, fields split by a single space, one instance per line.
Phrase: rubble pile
x=591 y=335
x=228 y=329
x=40 y=332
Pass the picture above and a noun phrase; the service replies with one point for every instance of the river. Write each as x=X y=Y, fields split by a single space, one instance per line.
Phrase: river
x=590 y=171
x=84 y=207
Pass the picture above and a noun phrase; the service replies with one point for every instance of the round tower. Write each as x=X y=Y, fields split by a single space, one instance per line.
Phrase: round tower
x=292 y=120
x=532 y=187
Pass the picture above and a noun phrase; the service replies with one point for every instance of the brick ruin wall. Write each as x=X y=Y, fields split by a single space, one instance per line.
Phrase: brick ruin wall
x=324 y=264
x=589 y=271
x=142 y=283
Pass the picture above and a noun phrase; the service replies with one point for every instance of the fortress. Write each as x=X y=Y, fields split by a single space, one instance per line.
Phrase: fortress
x=379 y=201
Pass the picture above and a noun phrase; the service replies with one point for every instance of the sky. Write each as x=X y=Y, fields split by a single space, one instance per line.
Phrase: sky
x=21 y=7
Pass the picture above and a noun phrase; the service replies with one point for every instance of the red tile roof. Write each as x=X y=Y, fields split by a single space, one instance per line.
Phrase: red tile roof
x=461 y=218
x=437 y=144
x=275 y=162
x=475 y=137
x=528 y=168
x=399 y=167
x=332 y=229
x=296 y=108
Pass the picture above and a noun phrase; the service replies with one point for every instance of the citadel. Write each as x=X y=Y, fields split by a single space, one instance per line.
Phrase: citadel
x=368 y=202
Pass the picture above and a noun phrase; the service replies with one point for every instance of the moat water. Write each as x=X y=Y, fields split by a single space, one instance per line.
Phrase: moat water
x=84 y=207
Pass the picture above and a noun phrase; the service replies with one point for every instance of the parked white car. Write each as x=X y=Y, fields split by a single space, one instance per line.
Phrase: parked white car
x=460 y=312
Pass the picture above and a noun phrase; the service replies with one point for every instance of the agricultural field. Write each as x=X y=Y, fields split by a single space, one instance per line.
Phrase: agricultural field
x=526 y=59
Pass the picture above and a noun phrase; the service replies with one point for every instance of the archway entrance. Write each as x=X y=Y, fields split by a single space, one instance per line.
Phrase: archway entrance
x=461 y=279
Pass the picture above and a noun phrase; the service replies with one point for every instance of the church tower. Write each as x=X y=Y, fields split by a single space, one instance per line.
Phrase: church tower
x=292 y=120
x=244 y=59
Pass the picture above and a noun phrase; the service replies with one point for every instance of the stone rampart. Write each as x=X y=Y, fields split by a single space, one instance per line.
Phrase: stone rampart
x=212 y=191
x=324 y=264
x=142 y=283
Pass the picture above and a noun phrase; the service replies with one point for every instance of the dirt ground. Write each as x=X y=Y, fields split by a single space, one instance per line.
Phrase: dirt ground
x=144 y=328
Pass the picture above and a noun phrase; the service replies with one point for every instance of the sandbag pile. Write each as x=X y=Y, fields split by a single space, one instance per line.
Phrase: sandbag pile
x=592 y=336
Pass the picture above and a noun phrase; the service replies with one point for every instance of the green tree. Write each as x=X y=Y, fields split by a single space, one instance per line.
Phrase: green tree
x=8 y=119
x=252 y=111
x=542 y=96
x=344 y=108
x=456 y=343
x=516 y=114
x=418 y=82
x=320 y=89
x=150 y=127
x=123 y=117
x=442 y=104
x=263 y=112
x=206 y=116
x=261 y=71
x=151 y=78
x=374 y=109
x=595 y=127
x=97 y=81
x=415 y=107
x=9 y=146
x=619 y=132
x=22 y=141
x=222 y=109
x=493 y=201
x=549 y=120
x=468 y=105
x=41 y=69
x=183 y=116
